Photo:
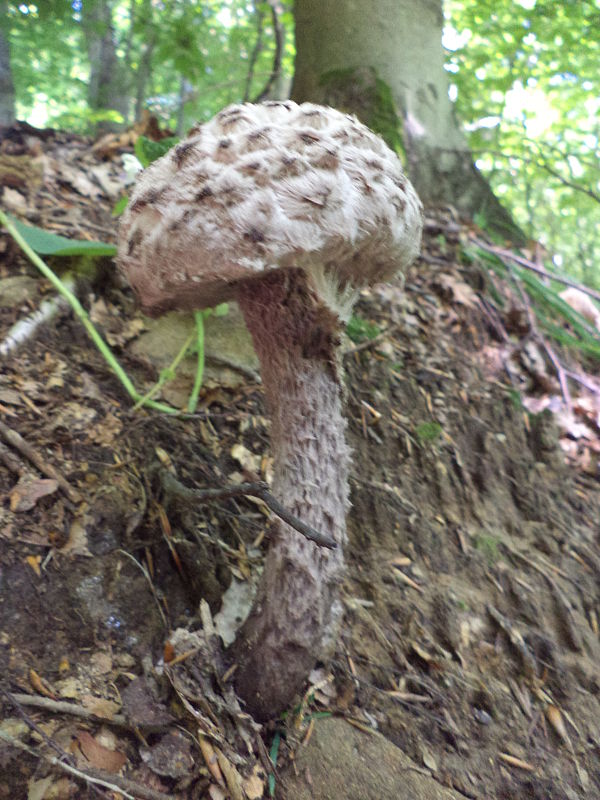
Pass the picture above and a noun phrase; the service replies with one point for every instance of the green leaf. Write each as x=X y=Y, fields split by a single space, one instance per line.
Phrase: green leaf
x=273 y=754
x=428 y=431
x=359 y=329
x=50 y=244
x=120 y=206
x=148 y=150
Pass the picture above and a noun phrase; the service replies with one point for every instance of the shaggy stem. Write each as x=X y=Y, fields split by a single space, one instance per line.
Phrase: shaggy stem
x=296 y=608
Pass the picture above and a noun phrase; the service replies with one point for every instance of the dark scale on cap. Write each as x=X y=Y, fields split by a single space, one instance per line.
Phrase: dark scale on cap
x=182 y=151
x=327 y=160
x=308 y=137
x=134 y=242
x=204 y=192
x=254 y=235
x=147 y=200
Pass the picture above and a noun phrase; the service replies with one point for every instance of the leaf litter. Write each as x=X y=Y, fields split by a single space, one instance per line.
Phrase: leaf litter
x=472 y=599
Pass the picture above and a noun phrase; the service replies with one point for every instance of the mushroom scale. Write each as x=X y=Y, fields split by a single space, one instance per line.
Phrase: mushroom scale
x=262 y=187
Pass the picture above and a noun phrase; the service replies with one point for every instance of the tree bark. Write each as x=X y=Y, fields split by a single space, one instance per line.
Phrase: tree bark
x=373 y=57
x=7 y=89
x=108 y=83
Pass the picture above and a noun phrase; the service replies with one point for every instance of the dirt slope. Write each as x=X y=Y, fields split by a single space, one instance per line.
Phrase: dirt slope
x=471 y=633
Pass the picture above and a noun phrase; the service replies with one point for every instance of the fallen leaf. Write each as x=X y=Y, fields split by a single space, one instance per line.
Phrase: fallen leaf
x=40 y=685
x=34 y=562
x=254 y=785
x=100 y=706
x=98 y=755
x=28 y=490
x=246 y=458
x=211 y=759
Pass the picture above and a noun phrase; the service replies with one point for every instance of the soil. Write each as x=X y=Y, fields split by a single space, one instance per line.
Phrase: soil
x=470 y=654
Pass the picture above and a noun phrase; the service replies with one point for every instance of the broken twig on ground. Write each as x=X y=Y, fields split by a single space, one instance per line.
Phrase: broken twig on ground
x=259 y=489
x=15 y=440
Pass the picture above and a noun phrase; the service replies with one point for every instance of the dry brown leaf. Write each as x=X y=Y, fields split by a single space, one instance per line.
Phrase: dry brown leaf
x=34 y=562
x=216 y=792
x=28 y=490
x=246 y=458
x=211 y=759
x=77 y=543
x=513 y=761
x=100 y=706
x=233 y=779
x=40 y=685
x=555 y=719
x=98 y=755
x=254 y=784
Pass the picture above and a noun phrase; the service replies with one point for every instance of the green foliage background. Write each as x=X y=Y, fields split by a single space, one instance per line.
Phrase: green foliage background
x=524 y=74
x=528 y=91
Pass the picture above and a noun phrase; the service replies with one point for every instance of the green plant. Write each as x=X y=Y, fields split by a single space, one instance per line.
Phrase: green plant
x=79 y=311
x=488 y=545
x=361 y=330
x=428 y=431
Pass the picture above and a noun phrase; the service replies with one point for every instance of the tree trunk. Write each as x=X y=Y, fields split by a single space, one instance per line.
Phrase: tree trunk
x=7 y=89
x=107 y=88
x=372 y=57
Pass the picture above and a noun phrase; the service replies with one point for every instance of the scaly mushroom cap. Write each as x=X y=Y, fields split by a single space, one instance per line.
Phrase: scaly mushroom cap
x=265 y=187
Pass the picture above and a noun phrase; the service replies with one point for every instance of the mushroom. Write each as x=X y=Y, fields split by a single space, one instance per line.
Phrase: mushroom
x=290 y=210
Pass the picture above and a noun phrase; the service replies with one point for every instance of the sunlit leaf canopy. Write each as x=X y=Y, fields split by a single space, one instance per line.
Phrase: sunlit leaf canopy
x=523 y=74
x=525 y=78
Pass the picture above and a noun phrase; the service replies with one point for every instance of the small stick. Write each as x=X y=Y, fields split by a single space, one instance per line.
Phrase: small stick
x=523 y=262
x=93 y=777
x=356 y=348
x=558 y=367
x=26 y=328
x=15 y=440
x=64 y=707
x=64 y=756
x=259 y=489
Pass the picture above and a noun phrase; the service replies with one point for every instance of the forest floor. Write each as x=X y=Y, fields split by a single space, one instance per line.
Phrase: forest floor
x=469 y=660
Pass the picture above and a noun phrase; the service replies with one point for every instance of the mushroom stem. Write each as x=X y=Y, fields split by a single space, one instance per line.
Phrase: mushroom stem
x=296 y=608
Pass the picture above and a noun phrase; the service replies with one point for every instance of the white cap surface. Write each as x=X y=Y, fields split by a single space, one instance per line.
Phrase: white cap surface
x=262 y=187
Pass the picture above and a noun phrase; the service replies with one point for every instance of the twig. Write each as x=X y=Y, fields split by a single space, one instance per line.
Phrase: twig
x=255 y=51
x=516 y=640
x=15 y=440
x=146 y=575
x=583 y=381
x=26 y=328
x=64 y=707
x=543 y=164
x=82 y=315
x=370 y=342
x=560 y=371
x=172 y=486
x=502 y=254
x=94 y=777
x=277 y=58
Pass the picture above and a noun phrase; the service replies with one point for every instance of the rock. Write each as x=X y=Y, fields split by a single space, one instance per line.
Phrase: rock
x=14 y=291
x=230 y=356
x=341 y=762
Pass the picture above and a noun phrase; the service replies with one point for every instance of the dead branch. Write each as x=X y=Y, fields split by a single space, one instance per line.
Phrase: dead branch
x=558 y=367
x=256 y=50
x=16 y=441
x=278 y=56
x=524 y=262
x=260 y=490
